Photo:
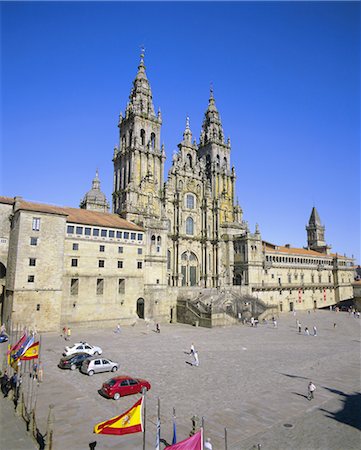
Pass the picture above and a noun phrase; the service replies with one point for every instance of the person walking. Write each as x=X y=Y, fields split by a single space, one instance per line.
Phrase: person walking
x=307 y=333
x=68 y=334
x=196 y=359
x=299 y=328
x=314 y=330
x=192 y=349
x=311 y=390
x=65 y=330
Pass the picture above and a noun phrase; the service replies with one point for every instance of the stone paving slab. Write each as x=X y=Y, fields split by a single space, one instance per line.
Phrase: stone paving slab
x=250 y=380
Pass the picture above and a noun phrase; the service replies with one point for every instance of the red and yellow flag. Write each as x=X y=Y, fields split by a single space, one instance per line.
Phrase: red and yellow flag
x=31 y=353
x=129 y=422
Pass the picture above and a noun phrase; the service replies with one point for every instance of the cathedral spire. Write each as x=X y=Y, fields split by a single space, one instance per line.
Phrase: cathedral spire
x=140 y=98
x=316 y=233
x=187 y=135
x=94 y=199
x=212 y=130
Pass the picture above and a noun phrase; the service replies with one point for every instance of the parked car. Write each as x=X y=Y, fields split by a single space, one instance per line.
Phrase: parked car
x=73 y=361
x=82 y=347
x=123 y=385
x=94 y=365
x=4 y=337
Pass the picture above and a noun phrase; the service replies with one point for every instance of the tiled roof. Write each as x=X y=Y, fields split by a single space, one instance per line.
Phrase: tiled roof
x=298 y=251
x=76 y=215
x=7 y=200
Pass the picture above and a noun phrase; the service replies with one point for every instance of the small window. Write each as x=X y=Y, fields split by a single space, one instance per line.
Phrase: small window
x=140 y=251
x=133 y=236
x=102 y=248
x=74 y=262
x=119 y=234
x=97 y=362
x=79 y=230
x=190 y=201
x=153 y=240
x=158 y=249
x=33 y=241
x=159 y=240
x=31 y=279
x=139 y=265
x=121 y=286
x=95 y=231
x=120 y=249
x=32 y=262
x=133 y=382
x=120 y=264
x=87 y=231
x=100 y=286
x=189 y=226
x=74 y=286
x=111 y=233
x=38 y=307
x=101 y=263
x=103 y=233
x=75 y=246
x=70 y=229
x=36 y=223
x=126 y=235
x=140 y=237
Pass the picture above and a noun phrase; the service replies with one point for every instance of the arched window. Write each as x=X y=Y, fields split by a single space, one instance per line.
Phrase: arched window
x=123 y=141
x=190 y=226
x=225 y=162
x=152 y=140
x=142 y=137
x=218 y=159
x=189 y=160
x=130 y=137
x=159 y=240
x=153 y=240
x=190 y=201
x=169 y=256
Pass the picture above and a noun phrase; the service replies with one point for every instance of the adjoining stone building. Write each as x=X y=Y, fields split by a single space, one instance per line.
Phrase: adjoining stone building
x=188 y=254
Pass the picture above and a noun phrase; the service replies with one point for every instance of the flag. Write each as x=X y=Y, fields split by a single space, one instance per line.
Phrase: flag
x=16 y=346
x=193 y=443
x=31 y=353
x=174 y=440
x=128 y=422
x=157 y=439
x=29 y=341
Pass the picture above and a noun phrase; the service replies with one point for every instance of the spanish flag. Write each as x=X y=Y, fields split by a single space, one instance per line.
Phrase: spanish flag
x=31 y=353
x=129 y=422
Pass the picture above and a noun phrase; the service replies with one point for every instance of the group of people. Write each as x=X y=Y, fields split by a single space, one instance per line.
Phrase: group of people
x=8 y=384
x=307 y=331
x=66 y=333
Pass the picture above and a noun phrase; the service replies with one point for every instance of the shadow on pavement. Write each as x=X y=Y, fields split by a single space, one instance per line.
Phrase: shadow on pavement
x=292 y=376
x=350 y=413
x=300 y=395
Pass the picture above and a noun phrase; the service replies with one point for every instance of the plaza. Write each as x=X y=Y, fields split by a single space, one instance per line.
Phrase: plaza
x=251 y=380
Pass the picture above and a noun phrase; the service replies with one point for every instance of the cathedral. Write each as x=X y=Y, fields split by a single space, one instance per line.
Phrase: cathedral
x=172 y=249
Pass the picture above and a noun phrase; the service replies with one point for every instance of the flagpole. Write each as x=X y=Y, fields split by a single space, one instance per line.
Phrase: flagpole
x=157 y=443
x=202 y=432
x=144 y=417
x=225 y=439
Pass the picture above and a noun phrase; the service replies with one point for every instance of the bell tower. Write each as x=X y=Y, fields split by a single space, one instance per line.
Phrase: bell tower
x=139 y=158
x=316 y=233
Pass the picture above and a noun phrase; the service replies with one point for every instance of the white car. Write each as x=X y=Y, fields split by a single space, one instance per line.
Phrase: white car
x=83 y=347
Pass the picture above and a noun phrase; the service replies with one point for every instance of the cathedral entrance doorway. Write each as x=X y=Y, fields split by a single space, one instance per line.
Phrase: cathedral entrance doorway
x=140 y=308
x=189 y=269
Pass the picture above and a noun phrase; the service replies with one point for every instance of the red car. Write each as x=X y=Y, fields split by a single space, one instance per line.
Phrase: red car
x=123 y=385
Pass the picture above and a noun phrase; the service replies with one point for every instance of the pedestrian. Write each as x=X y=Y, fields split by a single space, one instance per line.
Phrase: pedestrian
x=68 y=334
x=208 y=444
x=252 y=321
x=274 y=323
x=314 y=330
x=117 y=329
x=192 y=349
x=307 y=333
x=157 y=328
x=35 y=370
x=299 y=327
x=311 y=390
x=3 y=382
x=334 y=325
x=196 y=359
x=65 y=330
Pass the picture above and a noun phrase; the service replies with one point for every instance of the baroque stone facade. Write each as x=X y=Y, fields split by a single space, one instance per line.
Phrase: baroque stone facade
x=167 y=241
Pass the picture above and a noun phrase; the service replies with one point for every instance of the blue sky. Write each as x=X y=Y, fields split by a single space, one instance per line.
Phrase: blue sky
x=286 y=79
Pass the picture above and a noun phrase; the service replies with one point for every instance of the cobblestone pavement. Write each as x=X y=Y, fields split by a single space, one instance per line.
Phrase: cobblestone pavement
x=253 y=381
